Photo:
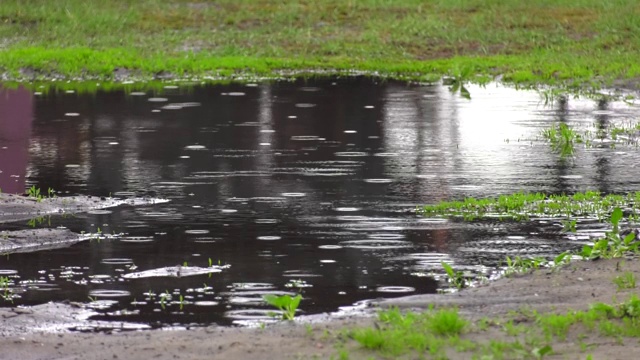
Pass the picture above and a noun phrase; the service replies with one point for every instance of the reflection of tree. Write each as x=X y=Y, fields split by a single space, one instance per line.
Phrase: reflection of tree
x=602 y=165
x=420 y=128
x=16 y=113
x=562 y=162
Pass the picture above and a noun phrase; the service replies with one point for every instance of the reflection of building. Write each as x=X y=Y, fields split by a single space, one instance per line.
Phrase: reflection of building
x=15 y=129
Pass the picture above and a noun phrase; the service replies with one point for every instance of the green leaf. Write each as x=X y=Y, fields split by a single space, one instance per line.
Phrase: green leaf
x=272 y=300
x=541 y=352
x=448 y=269
x=629 y=238
x=601 y=244
x=560 y=258
x=285 y=303
x=294 y=302
x=616 y=215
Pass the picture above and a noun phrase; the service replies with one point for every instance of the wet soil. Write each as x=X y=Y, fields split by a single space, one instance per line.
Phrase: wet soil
x=16 y=207
x=576 y=286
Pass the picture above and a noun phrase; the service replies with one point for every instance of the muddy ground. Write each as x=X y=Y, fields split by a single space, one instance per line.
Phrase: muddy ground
x=38 y=332
x=17 y=208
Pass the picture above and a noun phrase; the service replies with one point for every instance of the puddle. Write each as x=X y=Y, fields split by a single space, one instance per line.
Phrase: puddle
x=285 y=188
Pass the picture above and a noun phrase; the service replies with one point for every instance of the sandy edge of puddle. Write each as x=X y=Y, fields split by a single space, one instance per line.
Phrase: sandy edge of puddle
x=576 y=286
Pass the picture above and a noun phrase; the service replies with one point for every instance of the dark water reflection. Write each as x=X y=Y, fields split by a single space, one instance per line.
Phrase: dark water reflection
x=313 y=181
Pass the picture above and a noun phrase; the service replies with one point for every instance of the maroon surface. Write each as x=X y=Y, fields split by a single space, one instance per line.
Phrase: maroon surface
x=16 y=114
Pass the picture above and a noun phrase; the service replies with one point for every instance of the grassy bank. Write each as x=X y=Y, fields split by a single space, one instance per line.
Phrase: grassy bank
x=565 y=41
x=525 y=334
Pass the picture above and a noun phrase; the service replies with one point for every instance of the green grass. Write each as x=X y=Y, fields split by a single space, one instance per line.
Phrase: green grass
x=564 y=41
x=562 y=138
x=625 y=281
x=446 y=322
x=522 y=206
x=440 y=333
x=399 y=333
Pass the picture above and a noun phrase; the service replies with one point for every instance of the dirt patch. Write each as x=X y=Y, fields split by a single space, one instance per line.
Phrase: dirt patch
x=29 y=333
x=37 y=240
x=16 y=208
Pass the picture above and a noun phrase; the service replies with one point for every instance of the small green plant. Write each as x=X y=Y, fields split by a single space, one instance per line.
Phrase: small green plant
x=629 y=309
x=562 y=138
x=7 y=294
x=459 y=76
x=560 y=260
x=164 y=298
x=512 y=329
x=519 y=264
x=483 y=324
x=34 y=193
x=625 y=281
x=557 y=324
x=37 y=221
x=343 y=354
x=613 y=245
x=446 y=322
x=285 y=303
x=510 y=269
x=308 y=329
x=569 y=225
x=595 y=251
x=541 y=352
x=456 y=278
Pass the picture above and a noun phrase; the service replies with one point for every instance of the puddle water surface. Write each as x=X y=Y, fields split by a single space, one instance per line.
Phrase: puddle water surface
x=289 y=187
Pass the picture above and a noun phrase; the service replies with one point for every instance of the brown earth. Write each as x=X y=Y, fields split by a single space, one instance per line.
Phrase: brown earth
x=576 y=286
